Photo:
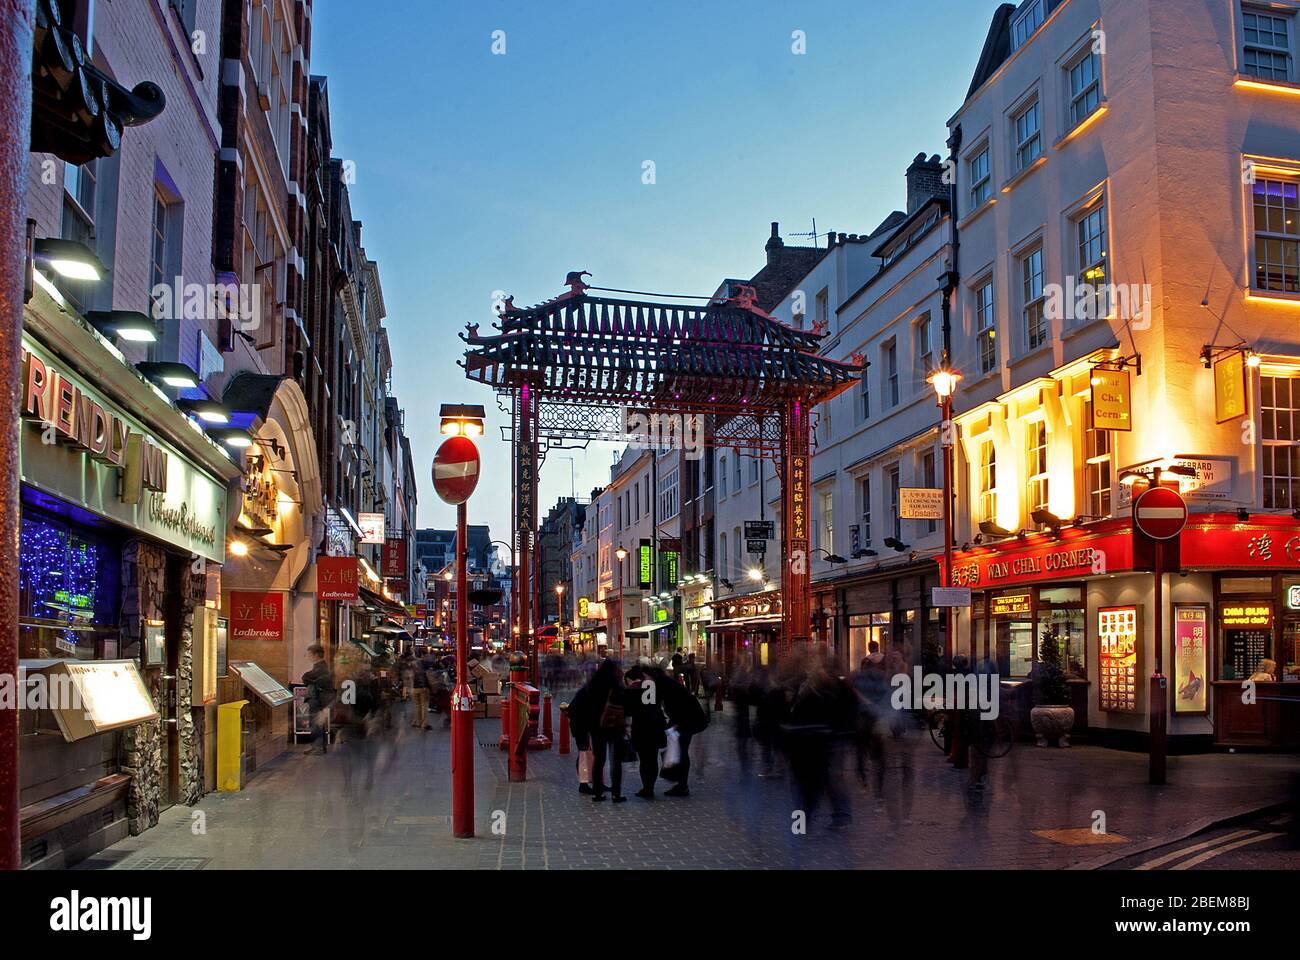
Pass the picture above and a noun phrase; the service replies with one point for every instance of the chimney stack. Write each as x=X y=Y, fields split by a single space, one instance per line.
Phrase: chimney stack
x=774 y=244
x=924 y=181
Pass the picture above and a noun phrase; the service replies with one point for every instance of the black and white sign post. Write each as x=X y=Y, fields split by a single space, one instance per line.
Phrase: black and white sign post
x=1159 y=515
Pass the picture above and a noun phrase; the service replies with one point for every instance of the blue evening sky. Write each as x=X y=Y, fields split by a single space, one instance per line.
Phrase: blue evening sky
x=479 y=172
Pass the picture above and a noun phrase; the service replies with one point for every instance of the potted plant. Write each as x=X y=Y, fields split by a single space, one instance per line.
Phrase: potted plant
x=1052 y=716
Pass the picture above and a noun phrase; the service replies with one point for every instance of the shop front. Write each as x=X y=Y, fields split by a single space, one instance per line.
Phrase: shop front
x=1224 y=622
x=745 y=632
x=269 y=583
x=890 y=606
x=122 y=533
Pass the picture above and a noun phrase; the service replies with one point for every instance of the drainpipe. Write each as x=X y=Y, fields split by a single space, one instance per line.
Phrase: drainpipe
x=16 y=27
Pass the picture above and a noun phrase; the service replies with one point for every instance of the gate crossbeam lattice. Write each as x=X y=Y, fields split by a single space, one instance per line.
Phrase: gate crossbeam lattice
x=578 y=365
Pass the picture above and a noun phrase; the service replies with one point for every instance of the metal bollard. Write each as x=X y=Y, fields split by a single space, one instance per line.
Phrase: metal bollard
x=546 y=716
x=564 y=729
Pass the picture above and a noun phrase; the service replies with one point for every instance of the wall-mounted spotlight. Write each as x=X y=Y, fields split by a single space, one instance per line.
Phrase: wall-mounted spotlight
x=129 y=325
x=68 y=259
x=209 y=411
x=177 y=375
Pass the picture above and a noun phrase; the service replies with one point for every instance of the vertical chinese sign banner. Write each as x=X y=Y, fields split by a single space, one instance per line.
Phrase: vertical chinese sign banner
x=1191 y=628
x=796 y=607
x=393 y=559
x=256 y=616
x=336 y=578
x=1230 y=386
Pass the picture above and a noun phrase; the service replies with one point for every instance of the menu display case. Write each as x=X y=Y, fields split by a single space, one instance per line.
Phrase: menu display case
x=265 y=687
x=1119 y=653
x=89 y=697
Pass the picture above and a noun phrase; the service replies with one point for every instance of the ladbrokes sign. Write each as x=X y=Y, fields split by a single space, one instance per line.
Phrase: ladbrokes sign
x=86 y=451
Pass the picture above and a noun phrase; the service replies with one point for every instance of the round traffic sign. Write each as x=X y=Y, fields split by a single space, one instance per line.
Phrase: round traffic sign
x=1160 y=513
x=455 y=470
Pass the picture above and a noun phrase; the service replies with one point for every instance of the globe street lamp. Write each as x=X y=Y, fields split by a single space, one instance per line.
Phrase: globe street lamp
x=621 y=554
x=945 y=380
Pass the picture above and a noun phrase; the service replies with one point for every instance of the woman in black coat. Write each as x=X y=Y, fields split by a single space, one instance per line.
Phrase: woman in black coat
x=648 y=724
x=579 y=711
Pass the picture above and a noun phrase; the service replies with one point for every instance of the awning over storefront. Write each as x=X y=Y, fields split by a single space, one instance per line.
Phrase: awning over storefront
x=388 y=607
x=651 y=627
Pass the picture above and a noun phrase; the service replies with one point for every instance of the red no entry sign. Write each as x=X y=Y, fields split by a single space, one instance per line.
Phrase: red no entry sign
x=455 y=470
x=1160 y=513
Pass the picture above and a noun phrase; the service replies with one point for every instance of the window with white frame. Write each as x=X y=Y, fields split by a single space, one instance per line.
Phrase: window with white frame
x=739 y=558
x=981 y=179
x=1279 y=409
x=923 y=334
x=889 y=356
x=984 y=332
x=722 y=476
x=1277 y=235
x=826 y=521
x=822 y=306
x=988 y=482
x=668 y=495
x=1091 y=253
x=1026 y=22
x=1027 y=134
x=736 y=475
x=1085 y=86
x=1096 y=465
x=864 y=393
x=1267 y=39
x=722 y=554
x=895 y=514
x=753 y=469
x=1031 y=277
x=864 y=508
x=1036 y=464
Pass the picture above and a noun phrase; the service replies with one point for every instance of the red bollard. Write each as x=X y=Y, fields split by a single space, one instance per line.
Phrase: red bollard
x=517 y=756
x=546 y=716
x=564 y=729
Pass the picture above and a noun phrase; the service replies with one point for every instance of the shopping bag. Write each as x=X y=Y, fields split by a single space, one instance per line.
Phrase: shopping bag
x=586 y=763
x=672 y=754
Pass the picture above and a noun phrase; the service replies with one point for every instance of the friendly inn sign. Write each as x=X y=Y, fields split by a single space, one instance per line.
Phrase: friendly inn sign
x=84 y=450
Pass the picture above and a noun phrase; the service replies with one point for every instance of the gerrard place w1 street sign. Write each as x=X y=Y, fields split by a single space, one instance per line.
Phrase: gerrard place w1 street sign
x=455 y=470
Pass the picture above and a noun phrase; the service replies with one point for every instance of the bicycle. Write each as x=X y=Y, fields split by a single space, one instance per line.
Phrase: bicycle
x=995 y=738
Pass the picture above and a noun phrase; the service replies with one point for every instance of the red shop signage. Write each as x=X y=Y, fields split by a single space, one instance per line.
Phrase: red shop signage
x=393 y=557
x=1209 y=541
x=256 y=616
x=336 y=578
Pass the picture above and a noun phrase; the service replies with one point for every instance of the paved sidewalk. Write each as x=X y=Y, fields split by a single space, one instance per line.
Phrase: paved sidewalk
x=319 y=812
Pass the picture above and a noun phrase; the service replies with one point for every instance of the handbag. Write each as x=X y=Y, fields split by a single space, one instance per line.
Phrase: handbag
x=612 y=717
x=586 y=763
x=672 y=753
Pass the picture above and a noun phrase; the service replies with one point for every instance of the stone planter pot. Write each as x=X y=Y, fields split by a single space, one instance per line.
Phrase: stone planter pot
x=1051 y=724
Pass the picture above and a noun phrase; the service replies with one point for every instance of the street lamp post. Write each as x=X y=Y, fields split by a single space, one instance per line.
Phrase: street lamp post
x=621 y=554
x=454 y=481
x=944 y=380
x=559 y=612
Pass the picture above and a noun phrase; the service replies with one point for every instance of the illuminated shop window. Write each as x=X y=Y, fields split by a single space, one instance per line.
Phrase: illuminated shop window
x=988 y=481
x=68 y=592
x=1277 y=235
x=1279 y=408
x=1097 y=466
x=1037 y=464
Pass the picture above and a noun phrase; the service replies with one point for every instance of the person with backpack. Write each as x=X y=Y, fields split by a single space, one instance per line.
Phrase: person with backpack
x=688 y=717
x=320 y=696
x=606 y=722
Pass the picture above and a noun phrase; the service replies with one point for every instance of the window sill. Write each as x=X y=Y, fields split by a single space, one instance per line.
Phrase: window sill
x=1255 y=295
x=1030 y=354
x=1015 y=180
x=1078 y=129
x=961 y=225
x=1244 y=81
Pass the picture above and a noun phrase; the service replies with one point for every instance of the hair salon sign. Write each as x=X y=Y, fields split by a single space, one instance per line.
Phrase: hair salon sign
x=89 y=452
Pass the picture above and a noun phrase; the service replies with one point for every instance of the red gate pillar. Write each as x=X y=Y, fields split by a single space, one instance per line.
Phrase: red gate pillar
x=16 y=25
x=526 y=510
x=796 y=578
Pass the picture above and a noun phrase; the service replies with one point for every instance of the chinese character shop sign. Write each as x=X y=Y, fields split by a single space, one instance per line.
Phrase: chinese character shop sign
x=393 y=559
x=256 y=616
x=336 y=578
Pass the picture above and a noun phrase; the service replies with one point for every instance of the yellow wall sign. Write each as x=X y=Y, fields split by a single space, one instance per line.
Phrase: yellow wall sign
x=1230 y=386
x=1112 y=400
x=1010 y=604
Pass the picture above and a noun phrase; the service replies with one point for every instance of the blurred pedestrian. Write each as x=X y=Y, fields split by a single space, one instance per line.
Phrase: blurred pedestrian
x=406 y=673
x=320 y=696
x=685 y=714
x=607 y=718
x=647 y=722
x=420 y=674
x=579 y=711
